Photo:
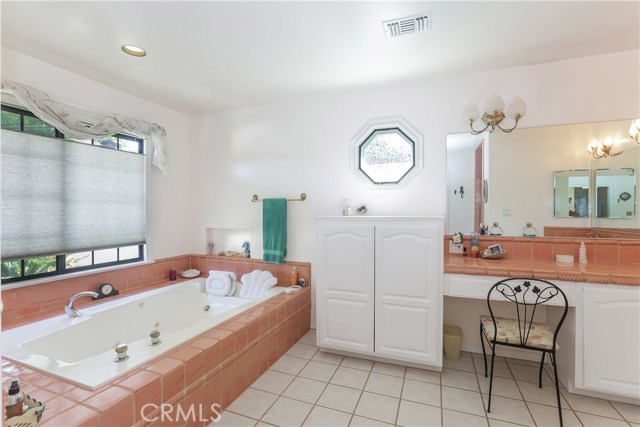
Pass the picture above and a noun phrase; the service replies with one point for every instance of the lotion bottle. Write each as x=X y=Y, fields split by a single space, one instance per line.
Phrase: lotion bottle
x=15 y=400
x=294 y=276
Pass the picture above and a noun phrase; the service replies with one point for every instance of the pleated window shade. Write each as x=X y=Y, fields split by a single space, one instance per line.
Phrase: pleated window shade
x=60 y=197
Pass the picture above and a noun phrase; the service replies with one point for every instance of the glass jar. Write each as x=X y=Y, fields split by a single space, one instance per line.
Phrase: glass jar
x=495 y=230
x=529 y=230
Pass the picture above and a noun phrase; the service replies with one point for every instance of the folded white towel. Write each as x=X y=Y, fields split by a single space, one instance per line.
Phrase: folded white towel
x=256 y=283
x=230 y=273
x=234 y=287
x=218 y=284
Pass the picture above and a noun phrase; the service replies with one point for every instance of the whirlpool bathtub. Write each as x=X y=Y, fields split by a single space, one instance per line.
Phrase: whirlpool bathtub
x=81 y=350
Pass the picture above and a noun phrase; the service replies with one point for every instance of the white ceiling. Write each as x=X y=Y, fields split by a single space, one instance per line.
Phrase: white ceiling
x=210 y=56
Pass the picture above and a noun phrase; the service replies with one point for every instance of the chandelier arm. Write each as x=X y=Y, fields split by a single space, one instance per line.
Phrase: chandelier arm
x=476 y=132
x=507 y=130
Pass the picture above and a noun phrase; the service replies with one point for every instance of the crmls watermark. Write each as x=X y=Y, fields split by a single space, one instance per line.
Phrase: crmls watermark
x=167 y=412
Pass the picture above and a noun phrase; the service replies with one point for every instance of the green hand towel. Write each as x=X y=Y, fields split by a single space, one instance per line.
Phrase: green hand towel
x=274 y=230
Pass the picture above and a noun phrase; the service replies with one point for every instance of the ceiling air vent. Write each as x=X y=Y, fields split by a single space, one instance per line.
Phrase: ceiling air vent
x=407 y=25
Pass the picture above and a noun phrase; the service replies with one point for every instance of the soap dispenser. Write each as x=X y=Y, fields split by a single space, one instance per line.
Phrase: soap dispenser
x=15 y=400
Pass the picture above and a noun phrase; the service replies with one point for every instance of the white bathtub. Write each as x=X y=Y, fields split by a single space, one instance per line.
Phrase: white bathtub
x=81 y=350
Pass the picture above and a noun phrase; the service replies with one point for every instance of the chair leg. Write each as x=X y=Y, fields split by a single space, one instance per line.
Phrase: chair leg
x=555 y=374
x=544 y=353
x=484 y=354
x=493 y=356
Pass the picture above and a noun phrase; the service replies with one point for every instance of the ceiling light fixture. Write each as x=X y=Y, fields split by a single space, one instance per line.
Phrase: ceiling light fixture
x=494 y=114
x=634 y=130
x=600 y=149
x=133 y=50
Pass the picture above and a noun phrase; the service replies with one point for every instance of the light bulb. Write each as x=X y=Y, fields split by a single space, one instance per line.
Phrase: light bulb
x=516 y=108
x=494 y=105
x=634 y=130
x=593 y=146
x=470 y=112
x=608 y=142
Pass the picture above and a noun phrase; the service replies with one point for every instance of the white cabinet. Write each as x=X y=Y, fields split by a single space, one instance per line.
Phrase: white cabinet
x=379 y=286
x=610 y=317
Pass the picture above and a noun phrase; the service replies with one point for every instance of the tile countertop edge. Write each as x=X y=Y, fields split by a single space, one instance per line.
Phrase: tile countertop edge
x=619 y=273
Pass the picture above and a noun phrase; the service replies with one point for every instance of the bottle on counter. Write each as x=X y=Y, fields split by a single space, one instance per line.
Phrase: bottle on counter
x=346 y=208
x=294 y=276
x=15 y=400
x=475 y=244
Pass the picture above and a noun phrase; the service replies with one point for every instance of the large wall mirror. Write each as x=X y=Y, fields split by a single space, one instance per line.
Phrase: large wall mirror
x=545 y=176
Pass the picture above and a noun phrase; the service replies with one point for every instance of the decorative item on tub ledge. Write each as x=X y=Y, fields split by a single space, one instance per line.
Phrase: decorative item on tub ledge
x=31 y=416
x=494 y=114
x=302 y=198
x=190 y=274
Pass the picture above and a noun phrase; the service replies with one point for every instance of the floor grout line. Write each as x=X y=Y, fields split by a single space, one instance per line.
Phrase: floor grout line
x=469 y=362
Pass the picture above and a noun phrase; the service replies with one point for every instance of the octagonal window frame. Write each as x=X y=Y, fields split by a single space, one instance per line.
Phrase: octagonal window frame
x=407 y=131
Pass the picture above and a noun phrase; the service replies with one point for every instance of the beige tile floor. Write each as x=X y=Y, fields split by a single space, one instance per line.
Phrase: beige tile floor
x=307 y=387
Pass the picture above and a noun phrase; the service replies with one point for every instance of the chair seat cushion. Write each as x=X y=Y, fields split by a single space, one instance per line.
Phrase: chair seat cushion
x=540 y=335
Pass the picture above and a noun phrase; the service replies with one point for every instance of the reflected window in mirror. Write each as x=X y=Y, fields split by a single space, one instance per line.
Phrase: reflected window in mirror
x=615 y=191
x=571 y=194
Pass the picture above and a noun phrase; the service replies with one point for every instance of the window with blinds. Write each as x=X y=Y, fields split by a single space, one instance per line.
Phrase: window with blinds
x=68 y=204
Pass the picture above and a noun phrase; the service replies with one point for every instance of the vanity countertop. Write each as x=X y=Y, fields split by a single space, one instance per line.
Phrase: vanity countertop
x=599 y=272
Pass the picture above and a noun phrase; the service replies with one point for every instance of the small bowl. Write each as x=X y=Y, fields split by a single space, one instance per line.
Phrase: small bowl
x=190 y=274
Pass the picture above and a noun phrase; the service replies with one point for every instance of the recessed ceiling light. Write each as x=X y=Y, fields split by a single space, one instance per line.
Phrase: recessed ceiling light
x=132 y=50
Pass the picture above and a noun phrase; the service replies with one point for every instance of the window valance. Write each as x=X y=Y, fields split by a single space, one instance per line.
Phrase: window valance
x=81 y=123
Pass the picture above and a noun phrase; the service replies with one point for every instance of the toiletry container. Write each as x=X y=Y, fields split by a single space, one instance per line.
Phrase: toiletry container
x=475 y=244
x=529 y=230
x=15 y=400
x=294 y=276
x=495 y=230
x=346 y=209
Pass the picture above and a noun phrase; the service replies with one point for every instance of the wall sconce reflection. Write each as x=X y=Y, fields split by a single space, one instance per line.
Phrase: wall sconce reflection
x=600 y=149
x=634 y=130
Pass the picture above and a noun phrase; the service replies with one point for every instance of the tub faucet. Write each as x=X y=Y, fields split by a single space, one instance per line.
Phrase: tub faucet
x=68 y=308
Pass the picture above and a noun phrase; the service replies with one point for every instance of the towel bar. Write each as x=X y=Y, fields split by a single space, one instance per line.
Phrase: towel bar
x=303 y=197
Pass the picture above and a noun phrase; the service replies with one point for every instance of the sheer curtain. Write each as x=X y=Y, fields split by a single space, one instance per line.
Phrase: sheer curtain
x=80 y=123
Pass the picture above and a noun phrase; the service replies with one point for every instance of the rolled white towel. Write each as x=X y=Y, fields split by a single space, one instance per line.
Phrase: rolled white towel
x=218 y=284
x=234 y=288
x=230 y=273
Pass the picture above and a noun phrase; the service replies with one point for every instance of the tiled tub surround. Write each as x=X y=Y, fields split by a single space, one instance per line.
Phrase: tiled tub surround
x=214 y=367
x=31 y=303
x=608 y=261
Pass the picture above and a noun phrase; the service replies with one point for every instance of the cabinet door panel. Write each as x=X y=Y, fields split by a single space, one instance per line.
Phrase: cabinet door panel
x=611 y=340
x=407 y=287
x=345 y=288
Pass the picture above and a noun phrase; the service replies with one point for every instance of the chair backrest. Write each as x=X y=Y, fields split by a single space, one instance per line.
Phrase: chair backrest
x=527 y=295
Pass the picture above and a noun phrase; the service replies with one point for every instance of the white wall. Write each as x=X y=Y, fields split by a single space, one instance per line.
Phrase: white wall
x=169 y=197
x=284 y=149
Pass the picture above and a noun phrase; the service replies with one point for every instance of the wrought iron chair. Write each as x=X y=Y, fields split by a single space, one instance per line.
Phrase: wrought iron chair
x=521 y=331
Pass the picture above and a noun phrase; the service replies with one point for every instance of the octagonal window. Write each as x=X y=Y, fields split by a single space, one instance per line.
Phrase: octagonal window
x=386 y=156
